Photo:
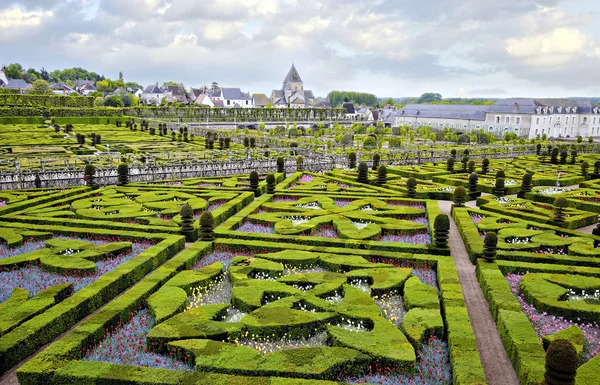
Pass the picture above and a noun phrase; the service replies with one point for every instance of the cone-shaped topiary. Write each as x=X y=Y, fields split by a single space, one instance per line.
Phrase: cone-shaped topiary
x=246 y=142
x=381 y=175
x=554 y=155
x=573 y=156
x=597 y=167
x=441 y=229
x=352 y=160
x=363 y=173
x=560 y=204
x=280 y=165
x=485 y=165
x=500 y=174
x=453 y=153
x=450 y=165
x=490 y=242
x=473 y=178
x=526 y=183
x=499 y=189
x=460 y=196
x=538 y=149
x=254 y=183
x=270 y=184
x=584 y=168
x=207 y=224
x=561 y=363
x=465 y=162
x=376 y=160
x=123 y=172
x=187 y=223
x=411 y=187
x=471 y=167
x=299 y=163
x=90 y=176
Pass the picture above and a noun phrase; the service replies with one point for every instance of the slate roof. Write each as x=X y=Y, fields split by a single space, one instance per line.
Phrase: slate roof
x=292 y=77
x=444 y=111
x=232 y=93
x=260 y=99
x=349 y=108
x=308 y=94
x=18 y=84
x=61 y=86
x=153 y=89
x=81 y=83
x=507 y=106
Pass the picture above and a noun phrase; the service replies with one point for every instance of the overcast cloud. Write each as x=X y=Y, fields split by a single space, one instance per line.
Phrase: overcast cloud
x=471 y=48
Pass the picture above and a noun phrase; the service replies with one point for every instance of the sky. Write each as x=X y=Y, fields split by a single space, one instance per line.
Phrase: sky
x=466 y=48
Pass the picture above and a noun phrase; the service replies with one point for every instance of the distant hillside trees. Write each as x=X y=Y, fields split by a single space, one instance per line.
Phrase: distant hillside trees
x=361 y=98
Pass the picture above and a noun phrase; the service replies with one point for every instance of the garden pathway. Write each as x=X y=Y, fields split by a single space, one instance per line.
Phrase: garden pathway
x=10 y=377
x=497 y=367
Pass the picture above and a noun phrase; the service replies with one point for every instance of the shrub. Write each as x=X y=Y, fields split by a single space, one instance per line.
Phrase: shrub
x=441 y=229
x=490 y=242
x=352 y=160
x=252 y=142
x=473 y=178
x=471 y=167
x=526 y=183
x=411 y=187
x=584 y=168
x=579 y=139
x=246 y=142
x=561 y=363
x=450 y=165
x=597 y=167
x=499 y=187
x=363 y=173
x=187 y=223
x=90 y=176
x=270 y=184
x=376 y=160
x=573 y=156
x=485 y=165
x=381 y=175
x=207 y=224
x=280 y=165
x=465 y=161
x=538 y=149
x=563 y=156
x=460 y=196
x=554 y=155
x=500 y=174
x=560 y=204
x=453 y=153
x=254 y=183
x=299 y=163
x=123 y=172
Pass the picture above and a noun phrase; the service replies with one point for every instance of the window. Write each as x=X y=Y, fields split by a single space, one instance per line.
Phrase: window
x=544 y=121
x=585 y=119
x=497 y=120
x=518 y=120
x=594 y=120
x=507 y=120
x=464 y=126
x=571 y=130
x=558 y=119
x=228 y=102
x=246 y=102
x=550 y=120
x=537 y=121
x=573 y=120
x=537 y=131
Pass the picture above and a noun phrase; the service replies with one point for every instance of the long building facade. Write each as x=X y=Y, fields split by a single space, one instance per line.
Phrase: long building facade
x=526 y=117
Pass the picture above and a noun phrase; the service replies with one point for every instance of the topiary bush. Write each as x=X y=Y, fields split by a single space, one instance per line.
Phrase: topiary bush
x=538 y=149
x=460 y=196
x=450 y=165
x=554 y=155
x=187 y=223
x=246 y=142
x=411 y=187
x=270 y=184
x=441 y=229
x=352 y=160
x=471 y=167
x=376 y=160
x=453 y=153
x=563 y=156
x=90 y=176
x=526 y=183
x=500 y=174
x=573 y=156
x=499 y=189
x=254 y=183
x=473 y=179
x=490 y=242
x=561 y=363
x=300 y=163
x=485 y=165
x=363 y=173
x=280 y=165
x=207 y=225
x=381 y=175
x=123 y=172
x=584 y=168
x=560 y=204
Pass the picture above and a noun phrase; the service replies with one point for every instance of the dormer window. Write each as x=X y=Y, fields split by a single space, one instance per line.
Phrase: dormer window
x=574 y=110
x=559 y=109
x=539 y=110
x=551 y=110
x=568 y=110
x=545 y=110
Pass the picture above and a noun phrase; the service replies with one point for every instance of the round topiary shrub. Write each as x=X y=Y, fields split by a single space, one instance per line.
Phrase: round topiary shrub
x=441 y=229
x=270 y=184
x=450 y=165
x=526 y=183
x=560 y=204
x=90 y=176
x=187 y=223
x=280 y=165
x=499 y=189
x=123 y=172
x=352 y=160
x=485 y=165
x=490 y=243
x=500 y=174
x=376 y=160
x=411 y=187
x=254 y=183
x=473 y=179
x=584 y=168
x=460 y=196
x=561 y=363
x=471 y=166
x=554 y=155
x=363 y=173
x=573 y=156
x=563 y=156
x=300 y=163
x=207 y=224
x=381 y=175
x=538 y=149
x=453 y=153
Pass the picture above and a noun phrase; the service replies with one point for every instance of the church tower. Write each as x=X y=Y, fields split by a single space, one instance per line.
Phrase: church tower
x=292 y=83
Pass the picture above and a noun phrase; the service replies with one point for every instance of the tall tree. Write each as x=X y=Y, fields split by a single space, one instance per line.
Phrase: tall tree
x=14 y=71
x=214 y=86
x=44 y=74
x=429 y=97
x=120 y=75
x=40 y=87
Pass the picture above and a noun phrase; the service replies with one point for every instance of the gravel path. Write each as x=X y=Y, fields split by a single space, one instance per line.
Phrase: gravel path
x=497 y=367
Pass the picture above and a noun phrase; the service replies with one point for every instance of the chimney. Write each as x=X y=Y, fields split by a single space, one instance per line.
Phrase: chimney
x=516 y=107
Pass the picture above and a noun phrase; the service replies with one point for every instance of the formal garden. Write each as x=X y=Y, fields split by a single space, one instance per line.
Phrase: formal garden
x=138 y=249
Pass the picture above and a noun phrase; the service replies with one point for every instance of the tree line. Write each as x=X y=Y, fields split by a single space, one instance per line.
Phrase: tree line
x=337 y=98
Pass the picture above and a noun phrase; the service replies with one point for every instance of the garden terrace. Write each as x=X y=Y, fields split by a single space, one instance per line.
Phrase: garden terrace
x=312 y=183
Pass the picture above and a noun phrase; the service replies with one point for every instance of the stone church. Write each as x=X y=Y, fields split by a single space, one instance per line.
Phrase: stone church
x=292 y=93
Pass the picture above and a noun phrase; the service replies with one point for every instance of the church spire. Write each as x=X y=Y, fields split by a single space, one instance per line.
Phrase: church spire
x=292 y=77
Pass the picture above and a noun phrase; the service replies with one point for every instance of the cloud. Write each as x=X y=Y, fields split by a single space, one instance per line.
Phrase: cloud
x=14 y=17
